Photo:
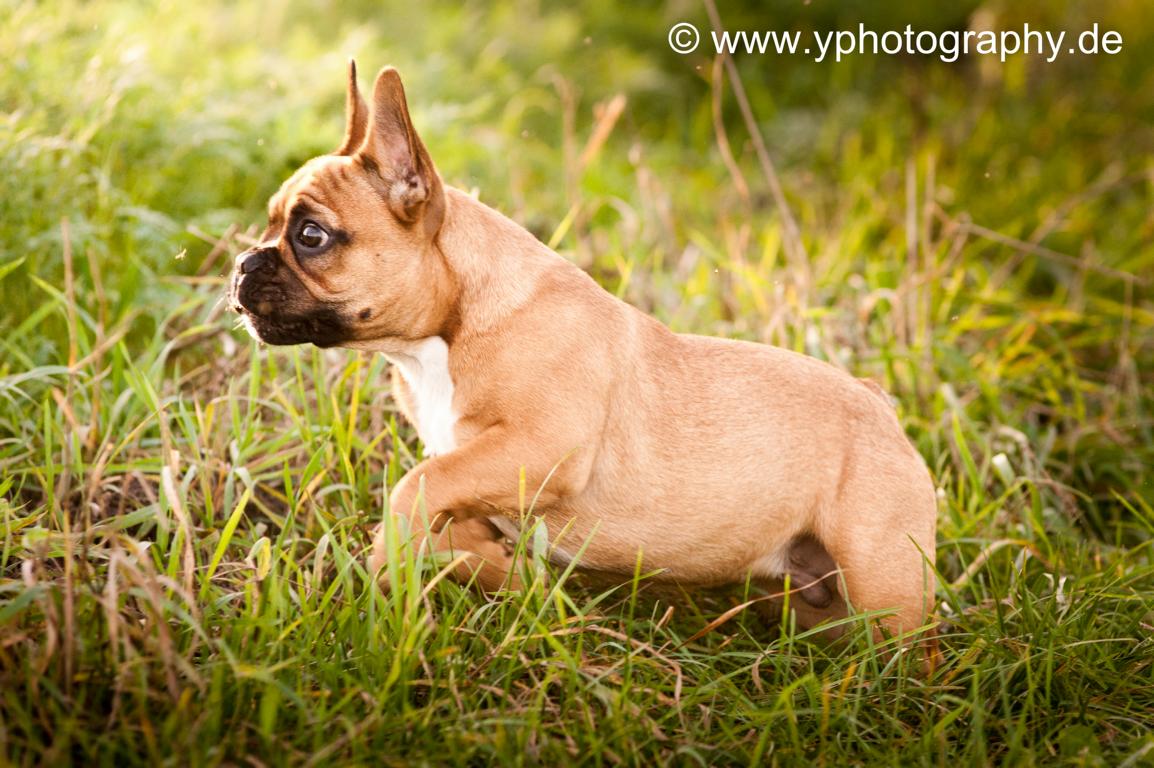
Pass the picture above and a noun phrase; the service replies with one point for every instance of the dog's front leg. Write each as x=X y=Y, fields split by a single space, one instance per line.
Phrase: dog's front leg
x=448 y=499
x=483 y=553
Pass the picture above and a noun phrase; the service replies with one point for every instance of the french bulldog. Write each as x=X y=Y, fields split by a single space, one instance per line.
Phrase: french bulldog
x=707 y=460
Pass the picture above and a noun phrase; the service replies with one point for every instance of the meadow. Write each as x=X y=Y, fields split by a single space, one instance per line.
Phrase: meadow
x=183 y=512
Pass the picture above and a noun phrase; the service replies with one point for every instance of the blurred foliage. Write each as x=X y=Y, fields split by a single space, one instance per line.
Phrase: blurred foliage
x=142 y=122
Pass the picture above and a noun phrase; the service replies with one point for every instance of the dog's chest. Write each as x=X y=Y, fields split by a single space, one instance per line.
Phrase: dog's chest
x=424 y=365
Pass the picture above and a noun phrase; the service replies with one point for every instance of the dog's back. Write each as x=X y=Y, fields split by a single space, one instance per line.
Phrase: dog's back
x=741 y=452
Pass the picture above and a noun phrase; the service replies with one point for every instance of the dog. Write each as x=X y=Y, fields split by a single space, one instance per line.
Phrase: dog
x=709 y=461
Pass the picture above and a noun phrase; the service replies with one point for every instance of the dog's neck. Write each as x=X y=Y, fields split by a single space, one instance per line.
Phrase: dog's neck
x=492 y=267
x=496 y=263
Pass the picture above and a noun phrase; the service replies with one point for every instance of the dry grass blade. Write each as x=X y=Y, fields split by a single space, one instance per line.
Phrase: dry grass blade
x=987 y=552
x=741 y=607
x=717 y=86
x=1050 y=254
x=635 y=643
x=607 y=116
x=795 y=247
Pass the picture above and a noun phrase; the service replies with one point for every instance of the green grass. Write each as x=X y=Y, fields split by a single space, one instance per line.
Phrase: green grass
x=183 y=514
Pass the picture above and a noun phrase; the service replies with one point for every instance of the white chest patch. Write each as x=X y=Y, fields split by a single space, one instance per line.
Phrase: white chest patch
x=424 y=365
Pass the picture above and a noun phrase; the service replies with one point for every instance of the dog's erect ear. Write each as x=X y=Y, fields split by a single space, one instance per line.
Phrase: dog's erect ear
x=356 y=115
x=393 y=150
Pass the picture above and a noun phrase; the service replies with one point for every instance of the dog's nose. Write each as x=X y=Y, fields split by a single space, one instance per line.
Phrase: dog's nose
x=251 y=261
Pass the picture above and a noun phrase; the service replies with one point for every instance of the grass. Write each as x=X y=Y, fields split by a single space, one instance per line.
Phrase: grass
x=183 y=514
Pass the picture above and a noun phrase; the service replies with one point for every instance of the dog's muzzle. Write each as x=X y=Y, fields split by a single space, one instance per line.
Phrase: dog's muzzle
x=256 y=258
x=252 y=279
x=277 y=307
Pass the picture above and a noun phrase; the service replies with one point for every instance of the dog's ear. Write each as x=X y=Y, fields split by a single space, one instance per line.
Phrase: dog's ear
x=394 y=152
x=356 y=115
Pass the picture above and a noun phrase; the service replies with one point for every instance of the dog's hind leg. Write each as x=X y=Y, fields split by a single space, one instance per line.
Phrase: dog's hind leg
x=883 y=542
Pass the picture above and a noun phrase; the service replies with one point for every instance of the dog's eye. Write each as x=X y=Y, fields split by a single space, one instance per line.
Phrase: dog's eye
x=312 y=236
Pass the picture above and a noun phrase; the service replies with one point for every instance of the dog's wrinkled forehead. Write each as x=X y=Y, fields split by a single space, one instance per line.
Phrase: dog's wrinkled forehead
x=310 y=193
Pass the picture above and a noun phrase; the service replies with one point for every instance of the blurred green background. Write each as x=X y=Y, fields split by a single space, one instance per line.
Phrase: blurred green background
x=143 y=123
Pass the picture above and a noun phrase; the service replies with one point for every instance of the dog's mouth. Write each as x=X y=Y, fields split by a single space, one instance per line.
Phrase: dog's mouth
x=256 y=299
x=322 y=328
x=275 y=315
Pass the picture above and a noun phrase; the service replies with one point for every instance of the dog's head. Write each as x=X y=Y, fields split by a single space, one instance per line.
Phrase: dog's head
x=349 y=254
